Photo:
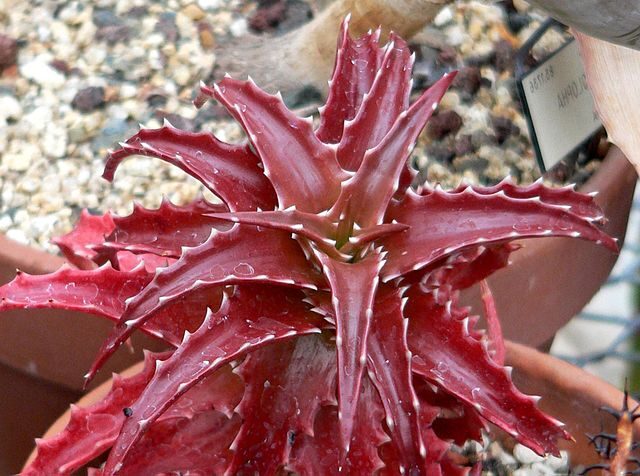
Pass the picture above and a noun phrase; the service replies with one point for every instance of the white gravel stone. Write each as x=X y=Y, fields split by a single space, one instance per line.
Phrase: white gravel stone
x=239 y=27
x=39 y=71
x=444 y=17
x=21 y=159
x=10 y=108
x=526 y=455
x=18 y=235
x=210 y=4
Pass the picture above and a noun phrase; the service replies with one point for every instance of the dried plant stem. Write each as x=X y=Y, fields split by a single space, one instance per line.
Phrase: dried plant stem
x=612 y=73
x=305 y=56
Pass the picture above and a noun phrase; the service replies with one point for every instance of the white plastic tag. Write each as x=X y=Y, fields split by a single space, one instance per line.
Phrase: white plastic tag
x=558 y=105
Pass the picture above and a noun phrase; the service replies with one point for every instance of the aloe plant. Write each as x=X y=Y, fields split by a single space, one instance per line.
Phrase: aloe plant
x=312 y=318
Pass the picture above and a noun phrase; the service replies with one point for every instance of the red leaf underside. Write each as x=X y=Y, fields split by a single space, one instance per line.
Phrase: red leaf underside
x=285 y=386
x=356 y=64
x=564 y=197
x=198 y=445
x=164 y=231
x=316 y=228
x=103 y=292
x=319 y=454
x=376 y=180
x=251 y=318
x=461 y=366
x=390 y=93
x=390 y=371
x=90 y=430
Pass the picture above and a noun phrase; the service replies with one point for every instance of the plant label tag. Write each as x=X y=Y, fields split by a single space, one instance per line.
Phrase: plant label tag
x=558 y=105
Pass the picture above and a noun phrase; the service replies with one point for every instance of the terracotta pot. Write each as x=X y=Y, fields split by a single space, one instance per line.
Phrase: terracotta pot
x=43 y=356
x=550 y=280
x=57 y=347
x=569 y=394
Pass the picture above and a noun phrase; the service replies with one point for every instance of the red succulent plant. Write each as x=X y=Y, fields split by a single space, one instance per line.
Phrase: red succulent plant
x=312 y=317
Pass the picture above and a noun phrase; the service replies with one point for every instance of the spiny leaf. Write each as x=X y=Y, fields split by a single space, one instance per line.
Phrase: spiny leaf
x=285 y=386
x=318 y=454
x=461 y=366
x=90 y=430
x=353 y=74
x=479 y=219
x=77 y=245
x=565 y=197
x=103 y=292
x=303 y=170
x=448 y=417
x=127 y=261
x=232 y=172
x=460 y=270
x=195 y=433
x=252 y=317
x=493 y=323
x=242 y=255
x=198 y=445
x=165 y=230
x=221 y=391
x=353 y=288
x=376 y=180
x=381 y=105
x=316 y=228
x=390 y=371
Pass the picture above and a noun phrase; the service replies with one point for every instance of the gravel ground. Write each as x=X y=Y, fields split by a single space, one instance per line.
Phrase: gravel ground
x=78 y=77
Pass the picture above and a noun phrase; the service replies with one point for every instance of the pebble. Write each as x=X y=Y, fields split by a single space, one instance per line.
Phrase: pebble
x=503 y=127
x=468 y=80
x=8 y=51
x=210 y=4
x=113 y=34
x=504 y=56
x=526 y=455
x=267 y=17
x=167 y=27
x=102 y=18
x=21 y=159
x=444 y=17
x=89 y=99
x=193 y=12
x=239 y=27
x=444 y=123
x=10 y=108
x=41 y=72
x=206 y=35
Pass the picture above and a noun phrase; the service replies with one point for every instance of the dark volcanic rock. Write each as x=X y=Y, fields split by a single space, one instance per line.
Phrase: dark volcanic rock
x=167 y=26
x=503 y=128
x=89 y=99
x=464 y=145
x=504 y=56
x=468 y=80
x=441 y=152
x=268 y=15
x=8 y=51
x=114 y=34
x=444 y=123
